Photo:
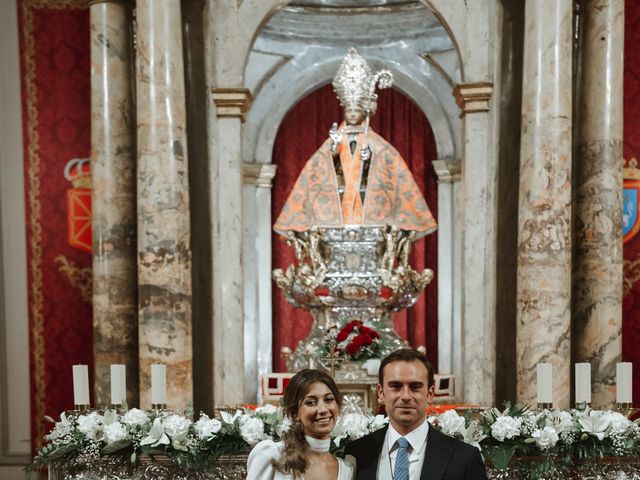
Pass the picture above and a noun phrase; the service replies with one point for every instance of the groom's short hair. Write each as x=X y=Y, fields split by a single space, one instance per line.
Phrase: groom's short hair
x=406 y=355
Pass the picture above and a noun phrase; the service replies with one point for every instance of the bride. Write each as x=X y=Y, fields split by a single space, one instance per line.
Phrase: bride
x=312 y=402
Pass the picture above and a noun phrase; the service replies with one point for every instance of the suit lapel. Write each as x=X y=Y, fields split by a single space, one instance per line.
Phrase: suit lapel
x=436 y=456
x=370 y=469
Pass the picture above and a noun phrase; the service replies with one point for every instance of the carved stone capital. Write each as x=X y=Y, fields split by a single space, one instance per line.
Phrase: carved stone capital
x=258 y=174
x=448 y=171
x=473 y=97
x=232 y=102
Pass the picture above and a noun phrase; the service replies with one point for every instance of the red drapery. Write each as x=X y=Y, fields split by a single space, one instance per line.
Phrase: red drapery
x=54 y=49
x=631 y=301
x=304 y=128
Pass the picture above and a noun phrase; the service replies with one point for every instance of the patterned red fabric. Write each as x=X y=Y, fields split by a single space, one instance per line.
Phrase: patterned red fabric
x=631 y=301
x=54 y=45
x=302 y=131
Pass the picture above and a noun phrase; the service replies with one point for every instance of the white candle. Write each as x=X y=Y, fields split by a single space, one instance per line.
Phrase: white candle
x=158 y=384
x=118 y=384
x=624 y=379
x=80 y=385
x=545 y=383
x=583 y=383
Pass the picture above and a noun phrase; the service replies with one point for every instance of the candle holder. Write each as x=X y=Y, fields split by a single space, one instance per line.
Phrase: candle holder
x=624 y=408
x=158 y=406
x=582 y=406
x=83 y=408
x=545 y=405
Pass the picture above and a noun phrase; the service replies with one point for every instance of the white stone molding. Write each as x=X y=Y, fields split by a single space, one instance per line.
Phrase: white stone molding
x=231 y=102
x=258 y=174
x=473 y=97
x=448 y=171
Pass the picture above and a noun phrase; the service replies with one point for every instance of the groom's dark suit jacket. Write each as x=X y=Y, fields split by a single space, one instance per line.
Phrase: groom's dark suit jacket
x=445 y=459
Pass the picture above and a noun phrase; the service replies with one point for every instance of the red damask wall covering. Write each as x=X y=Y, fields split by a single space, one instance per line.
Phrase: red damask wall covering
x=631 y=302
x=55 y=71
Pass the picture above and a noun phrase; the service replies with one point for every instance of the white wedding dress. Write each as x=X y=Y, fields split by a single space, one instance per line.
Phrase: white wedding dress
x=259 y=465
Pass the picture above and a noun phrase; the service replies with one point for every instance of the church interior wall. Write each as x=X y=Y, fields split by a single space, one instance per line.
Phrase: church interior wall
x=228 y=51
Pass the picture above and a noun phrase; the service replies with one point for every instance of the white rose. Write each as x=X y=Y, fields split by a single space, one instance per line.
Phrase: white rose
x=91 y=425
x=207 y=427
x=505 y=427
x=115 y=432
x=618 y=422
x=267 y=409
x=545 y=438
x=355 y=425
x=135 y=417
x=377 y=422
x=176 y=426
x=181 y=442
x=251 y=429
x=284 y=426
x=451 y=422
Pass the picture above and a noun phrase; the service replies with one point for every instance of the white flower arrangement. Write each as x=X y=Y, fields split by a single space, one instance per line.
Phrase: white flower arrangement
x=553 y=434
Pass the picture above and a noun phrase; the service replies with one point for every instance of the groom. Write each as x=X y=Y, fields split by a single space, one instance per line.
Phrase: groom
x=409 y=448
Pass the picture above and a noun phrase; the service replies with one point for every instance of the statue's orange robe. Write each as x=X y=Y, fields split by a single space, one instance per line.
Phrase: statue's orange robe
x=392 y=196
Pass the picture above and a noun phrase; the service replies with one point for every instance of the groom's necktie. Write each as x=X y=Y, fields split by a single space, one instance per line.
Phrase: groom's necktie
x=401 y=470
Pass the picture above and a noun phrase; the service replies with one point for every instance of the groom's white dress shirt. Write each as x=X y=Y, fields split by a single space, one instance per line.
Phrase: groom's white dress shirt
x=417 y=439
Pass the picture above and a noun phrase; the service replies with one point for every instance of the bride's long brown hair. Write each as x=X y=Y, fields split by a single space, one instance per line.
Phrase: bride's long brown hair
x=294 y=456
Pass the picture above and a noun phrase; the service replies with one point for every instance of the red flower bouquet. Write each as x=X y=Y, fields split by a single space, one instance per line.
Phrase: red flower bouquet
x=357 y=341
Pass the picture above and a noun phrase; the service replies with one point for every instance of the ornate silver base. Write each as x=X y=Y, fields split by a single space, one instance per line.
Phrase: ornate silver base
x=350 y=273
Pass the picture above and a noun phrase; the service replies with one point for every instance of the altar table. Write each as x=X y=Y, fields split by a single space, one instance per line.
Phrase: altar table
x=232 y=468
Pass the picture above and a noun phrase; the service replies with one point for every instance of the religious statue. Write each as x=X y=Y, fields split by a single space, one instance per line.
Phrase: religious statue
x=356 y=177
x=351 y=219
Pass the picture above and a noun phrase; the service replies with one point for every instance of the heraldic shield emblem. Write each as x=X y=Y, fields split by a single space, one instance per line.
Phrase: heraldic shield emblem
x=78 y=172
x=630 y=223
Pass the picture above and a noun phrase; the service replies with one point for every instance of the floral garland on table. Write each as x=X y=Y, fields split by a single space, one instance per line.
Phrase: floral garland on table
x=558 y=436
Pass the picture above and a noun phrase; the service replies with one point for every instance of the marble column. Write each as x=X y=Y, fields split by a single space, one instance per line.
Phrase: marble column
x=544 y=210
x=478 y=210
x=164 y=255
x=228 y=281
x=597 y=315
x=113 y=167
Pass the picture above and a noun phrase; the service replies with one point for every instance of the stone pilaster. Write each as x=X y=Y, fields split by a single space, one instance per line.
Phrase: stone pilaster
x=256 y=263
x=228 y=281
x=544 y=215
x=449 y=341
x=478 y=207
x=164 y=255
x=597 y=315
x=113 y=166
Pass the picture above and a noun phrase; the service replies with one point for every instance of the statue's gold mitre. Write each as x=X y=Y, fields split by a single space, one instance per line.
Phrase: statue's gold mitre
x=355 y=85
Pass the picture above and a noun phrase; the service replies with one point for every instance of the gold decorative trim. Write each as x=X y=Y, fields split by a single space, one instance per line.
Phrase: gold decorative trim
x=33 y=169
x=473 y=97
x=630 y=169
x=631 y=275
x=259 y=174
x=232 y=102
x=79 y=278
